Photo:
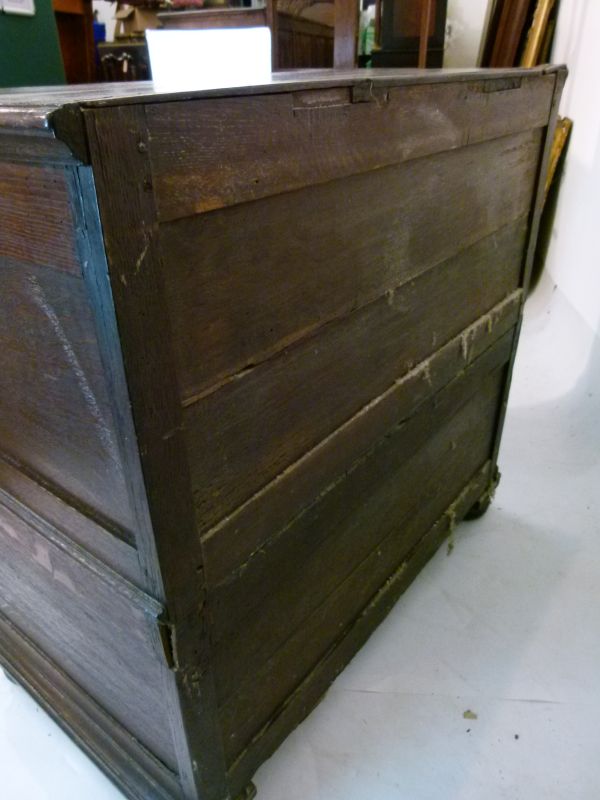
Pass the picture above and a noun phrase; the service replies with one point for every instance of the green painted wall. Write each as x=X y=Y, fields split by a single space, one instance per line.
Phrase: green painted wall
x=29 y=48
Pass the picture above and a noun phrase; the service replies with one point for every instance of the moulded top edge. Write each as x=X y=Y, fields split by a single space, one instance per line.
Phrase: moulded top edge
x=32 y=107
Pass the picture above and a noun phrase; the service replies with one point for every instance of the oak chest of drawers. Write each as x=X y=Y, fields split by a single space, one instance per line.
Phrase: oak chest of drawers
x=255 y=353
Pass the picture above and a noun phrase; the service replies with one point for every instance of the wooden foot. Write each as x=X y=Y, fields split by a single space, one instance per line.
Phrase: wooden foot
x=9 y=677
x=479 y=508
x=248 y=793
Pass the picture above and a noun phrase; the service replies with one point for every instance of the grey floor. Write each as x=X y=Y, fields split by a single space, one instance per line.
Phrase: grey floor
x=506 y=627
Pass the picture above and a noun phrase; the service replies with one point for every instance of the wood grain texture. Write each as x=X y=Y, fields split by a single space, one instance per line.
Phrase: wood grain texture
x=212 y=153
x=102 y=640
x=346 y=34
x=408 y=494
x=55 y=419
x=168 y=544
x=351 y=638
x=232 y=542
x=244 y=282
x=296 y=315
x=256 y=610
x=37 y=503
x=243 y=435
x=37 y=225
x=122 y=757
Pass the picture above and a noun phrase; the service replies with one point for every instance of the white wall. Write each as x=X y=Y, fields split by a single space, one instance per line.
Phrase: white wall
x=466 y=21
x=574 y=255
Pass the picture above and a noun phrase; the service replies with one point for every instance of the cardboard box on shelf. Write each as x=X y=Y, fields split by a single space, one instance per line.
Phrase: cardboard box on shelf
x=132 y=20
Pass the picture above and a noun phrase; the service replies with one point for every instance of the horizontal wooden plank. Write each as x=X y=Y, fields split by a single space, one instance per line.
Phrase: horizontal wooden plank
x=211 y=153
x=37 y=225
x=105 y=642
x=36 y=502
x=244 y=282
x=350 y=639
x=256 y=611
x=55 y=415
x=400 y=513
x=243 y=435
x=231 y=542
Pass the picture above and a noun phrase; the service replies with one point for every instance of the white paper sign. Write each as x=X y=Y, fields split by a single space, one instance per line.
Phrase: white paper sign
x=209 y=59
x=26 y=7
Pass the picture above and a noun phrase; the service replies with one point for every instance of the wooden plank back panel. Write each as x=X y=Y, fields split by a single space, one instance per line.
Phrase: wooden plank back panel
x=243 y=435
x=412 y=490
x=347 y=515
x=254 y=583
x=217 y=152
x=232 y=542
x=352 y=636
x=246 y=281
x=100 y=631
x=55 y=418
x=37 y=222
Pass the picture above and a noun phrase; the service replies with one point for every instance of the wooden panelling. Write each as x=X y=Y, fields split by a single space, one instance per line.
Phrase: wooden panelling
x=55 y=415
x=34 y=501
x=246 y=281
x=350 y=639
x=213 y=153
x=37 y=225
x=370 y=521
x=243 y=435
x=382 y=488
x=99 y=630
x=232 y=542
x=122 y=757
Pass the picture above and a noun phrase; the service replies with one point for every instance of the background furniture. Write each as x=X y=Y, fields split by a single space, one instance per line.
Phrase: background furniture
x=297 y=41
x=124 y=61
x=401 y=33
x=75 y=23
x=242 y=404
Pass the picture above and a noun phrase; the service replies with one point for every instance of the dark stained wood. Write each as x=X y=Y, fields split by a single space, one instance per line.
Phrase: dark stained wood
x=120 y=755
x=538 y=206
x=232 y=542
x=119 y=143
x=506 y=31
x=36 y=219
x=347 y=522
x=196 y=168
x=246 y=433
x=400 y=524
x=296 y=43
x=56 y=421
x=229 y=314
x=90 y=626
x=34 y=502
x=237 y=417
x=303 y=43
x=308 y=693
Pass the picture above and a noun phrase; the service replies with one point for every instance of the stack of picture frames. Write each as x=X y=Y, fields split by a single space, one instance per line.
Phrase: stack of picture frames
x=520 y=33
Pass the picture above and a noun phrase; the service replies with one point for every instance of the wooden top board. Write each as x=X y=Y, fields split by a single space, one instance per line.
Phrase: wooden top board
x=35 y=108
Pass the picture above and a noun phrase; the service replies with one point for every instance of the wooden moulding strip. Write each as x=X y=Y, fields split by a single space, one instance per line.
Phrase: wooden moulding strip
x=299 y=704
x=236 y=538
x=211 y=153
x=32 y=501
x=118 y=754
x=82 y=557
